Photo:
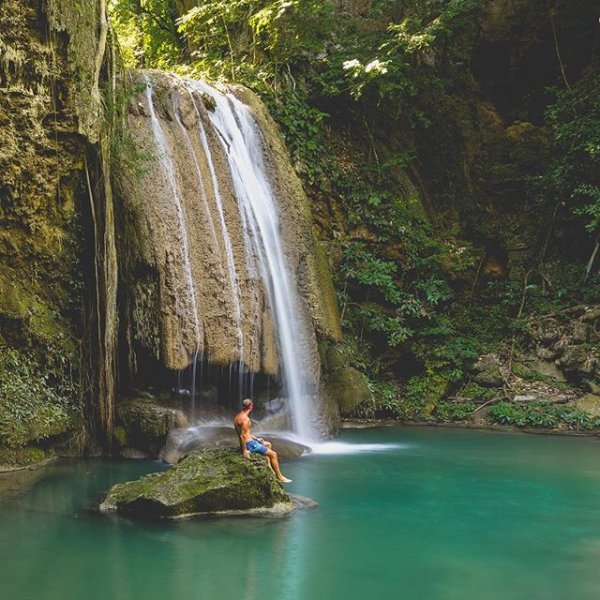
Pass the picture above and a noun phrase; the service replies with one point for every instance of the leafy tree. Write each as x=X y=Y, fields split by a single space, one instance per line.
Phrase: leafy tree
x=574 y=176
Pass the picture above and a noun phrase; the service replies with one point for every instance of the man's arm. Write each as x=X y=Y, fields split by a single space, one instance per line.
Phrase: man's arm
x=244 y=428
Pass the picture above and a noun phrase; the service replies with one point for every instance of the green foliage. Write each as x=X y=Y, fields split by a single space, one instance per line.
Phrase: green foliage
x=574 y=176
x=422 y=395
x=21 y=457
x=478 y=393
x=336 y=84
x=543 y=415
x=385 y=402
x=33 y=406
x=147 y=32
x=301 y=127
x=124 y=154
x=234 y=37
x=450 y=412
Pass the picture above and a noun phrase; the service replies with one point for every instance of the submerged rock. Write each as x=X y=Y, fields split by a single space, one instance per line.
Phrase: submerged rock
x=205 y=482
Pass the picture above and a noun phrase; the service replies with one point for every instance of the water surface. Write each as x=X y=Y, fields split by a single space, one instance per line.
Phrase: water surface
x=415 y=513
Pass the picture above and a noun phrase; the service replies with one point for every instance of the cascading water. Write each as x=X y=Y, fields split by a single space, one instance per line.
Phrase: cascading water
x=221 y=247
x=166 y=163
x=258 y=210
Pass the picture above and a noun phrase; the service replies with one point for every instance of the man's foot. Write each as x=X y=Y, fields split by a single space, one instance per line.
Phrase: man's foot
x=284 y=480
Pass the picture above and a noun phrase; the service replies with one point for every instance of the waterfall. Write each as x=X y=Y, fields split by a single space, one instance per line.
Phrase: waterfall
x=239 y=134
x=221 y=260
x=168 y=168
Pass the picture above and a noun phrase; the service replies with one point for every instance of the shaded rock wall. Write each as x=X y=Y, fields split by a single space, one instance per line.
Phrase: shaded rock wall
x=51 y=117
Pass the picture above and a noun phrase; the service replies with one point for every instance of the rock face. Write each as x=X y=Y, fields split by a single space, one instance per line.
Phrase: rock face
x=191 y=285
x=196 y=277
x=145 y=423
x=51 y=126
x=344 y=384
x=205 y=482
x=569 y=342
x=589 y=404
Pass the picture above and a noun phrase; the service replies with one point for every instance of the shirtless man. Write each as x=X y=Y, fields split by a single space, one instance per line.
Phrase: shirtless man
x=250 y=443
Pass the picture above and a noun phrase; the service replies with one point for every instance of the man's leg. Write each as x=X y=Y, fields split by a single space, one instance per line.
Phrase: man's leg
x=272 y=456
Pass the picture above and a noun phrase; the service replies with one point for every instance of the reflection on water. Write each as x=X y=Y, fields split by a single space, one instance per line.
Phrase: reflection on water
x=412 y=513
x=348 y=448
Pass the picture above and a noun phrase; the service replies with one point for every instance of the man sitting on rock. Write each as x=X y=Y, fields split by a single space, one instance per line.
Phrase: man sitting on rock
x=250 y=443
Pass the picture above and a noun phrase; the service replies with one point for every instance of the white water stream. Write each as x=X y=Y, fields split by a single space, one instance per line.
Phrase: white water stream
x=257 y=204
x=168 y=169
x=239 y=134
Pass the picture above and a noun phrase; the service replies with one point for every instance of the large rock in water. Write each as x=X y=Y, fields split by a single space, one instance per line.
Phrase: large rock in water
x=205 y=482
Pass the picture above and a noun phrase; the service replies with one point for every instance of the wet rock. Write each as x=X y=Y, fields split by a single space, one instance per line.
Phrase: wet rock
x=205 y=482
x=287 y=449
x=208 y=101
x=182 y=441
x=345 y=384
x=145 y=423
x=132 y=453
x=349 y=387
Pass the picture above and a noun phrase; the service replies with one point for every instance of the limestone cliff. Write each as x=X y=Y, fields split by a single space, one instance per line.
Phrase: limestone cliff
x=51 y=118
x=186 y=241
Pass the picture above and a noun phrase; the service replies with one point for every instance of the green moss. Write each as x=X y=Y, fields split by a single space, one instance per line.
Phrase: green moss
x=120 y=436
x=204 y=481
x=422 y=395
x=21 y=457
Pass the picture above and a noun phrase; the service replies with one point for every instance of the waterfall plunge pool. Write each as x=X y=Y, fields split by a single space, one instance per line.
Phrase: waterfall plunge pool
x=415 y=513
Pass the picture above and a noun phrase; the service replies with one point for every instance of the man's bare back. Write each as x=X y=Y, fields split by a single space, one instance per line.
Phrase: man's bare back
x=250 y=443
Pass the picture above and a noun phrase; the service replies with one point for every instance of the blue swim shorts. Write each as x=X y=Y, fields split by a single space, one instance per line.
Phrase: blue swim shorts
x=256 y=446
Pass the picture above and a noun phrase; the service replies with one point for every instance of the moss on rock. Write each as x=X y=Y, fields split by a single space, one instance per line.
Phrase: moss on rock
x=145 y=423
x=12 y=459
x=206 y=481
x=589 y=404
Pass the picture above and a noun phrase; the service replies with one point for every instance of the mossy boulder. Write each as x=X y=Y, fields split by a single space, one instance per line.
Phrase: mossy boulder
x=145 y=422
x=205 y=482
x=487 y=371
x=349 y=387
x=589 y=404
x=345 y=384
